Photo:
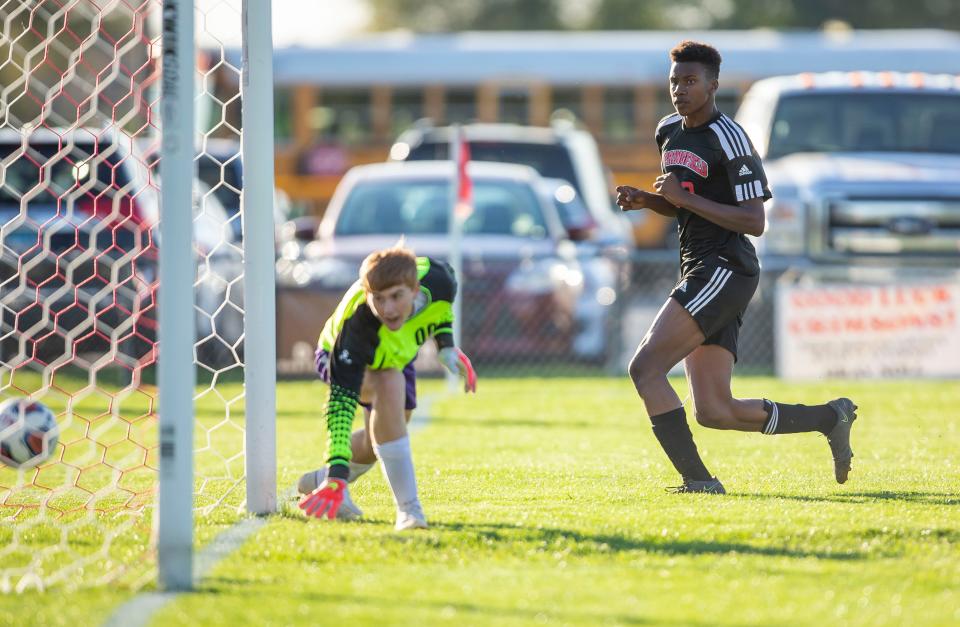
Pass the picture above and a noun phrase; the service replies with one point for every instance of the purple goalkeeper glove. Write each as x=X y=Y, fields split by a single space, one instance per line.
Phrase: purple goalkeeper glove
x=325 y=500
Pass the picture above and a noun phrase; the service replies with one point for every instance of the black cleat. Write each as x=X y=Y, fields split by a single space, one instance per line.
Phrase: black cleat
x=839 y=437
x=710 y=486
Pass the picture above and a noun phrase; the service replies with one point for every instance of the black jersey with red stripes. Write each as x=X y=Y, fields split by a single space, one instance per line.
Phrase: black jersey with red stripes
x=717 y=161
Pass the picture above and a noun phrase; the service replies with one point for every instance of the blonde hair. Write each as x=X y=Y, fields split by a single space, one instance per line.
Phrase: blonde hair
x=383 y=269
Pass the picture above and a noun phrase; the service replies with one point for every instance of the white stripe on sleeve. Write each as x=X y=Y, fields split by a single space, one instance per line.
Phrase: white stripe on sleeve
x=738 y=133
x=723 y=141
x=774 y=419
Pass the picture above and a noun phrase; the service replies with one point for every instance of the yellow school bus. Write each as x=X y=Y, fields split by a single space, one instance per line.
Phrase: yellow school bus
x=341 y=105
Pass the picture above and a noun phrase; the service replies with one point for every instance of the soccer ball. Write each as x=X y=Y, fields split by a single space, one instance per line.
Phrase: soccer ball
x=28 y=432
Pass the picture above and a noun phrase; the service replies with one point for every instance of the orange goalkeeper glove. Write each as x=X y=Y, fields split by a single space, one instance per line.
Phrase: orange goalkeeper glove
x=325 y=500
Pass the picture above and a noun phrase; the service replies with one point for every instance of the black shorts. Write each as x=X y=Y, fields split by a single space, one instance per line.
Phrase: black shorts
x=322 y=360
x=716 y=297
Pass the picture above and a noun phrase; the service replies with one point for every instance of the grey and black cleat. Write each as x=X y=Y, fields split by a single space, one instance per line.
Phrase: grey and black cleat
x=839 y=437
x=710 y=486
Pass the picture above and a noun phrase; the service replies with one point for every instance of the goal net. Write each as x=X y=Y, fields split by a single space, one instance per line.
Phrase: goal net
x=79 y=222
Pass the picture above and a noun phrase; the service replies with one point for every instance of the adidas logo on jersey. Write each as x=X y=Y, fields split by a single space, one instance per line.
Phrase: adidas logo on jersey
x=744 y=170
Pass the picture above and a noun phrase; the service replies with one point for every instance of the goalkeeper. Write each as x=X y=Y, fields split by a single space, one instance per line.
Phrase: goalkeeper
x=365 y=354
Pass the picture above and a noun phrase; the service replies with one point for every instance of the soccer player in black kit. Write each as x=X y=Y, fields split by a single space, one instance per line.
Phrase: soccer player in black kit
x=713 y=183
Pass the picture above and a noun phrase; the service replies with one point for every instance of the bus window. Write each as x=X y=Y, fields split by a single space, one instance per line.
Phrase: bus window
x=349 y=119
x=514 y=105
x=664 y=107
x=407 y=109
x=461 y=105
x=282 y=114
x=618 y=119
x=568 y=98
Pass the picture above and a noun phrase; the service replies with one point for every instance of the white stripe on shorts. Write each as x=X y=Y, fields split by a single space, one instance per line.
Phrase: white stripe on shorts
x=708 y=289
x=716 y=290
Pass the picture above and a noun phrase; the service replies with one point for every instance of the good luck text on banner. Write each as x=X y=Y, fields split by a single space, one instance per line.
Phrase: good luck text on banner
x=847 y=330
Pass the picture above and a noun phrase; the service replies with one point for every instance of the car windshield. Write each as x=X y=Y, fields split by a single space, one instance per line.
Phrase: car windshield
x=866 y=122
x=550 y=160
x=500 y=207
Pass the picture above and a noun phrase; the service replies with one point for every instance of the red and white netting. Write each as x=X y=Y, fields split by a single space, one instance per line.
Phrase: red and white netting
x=79 y=213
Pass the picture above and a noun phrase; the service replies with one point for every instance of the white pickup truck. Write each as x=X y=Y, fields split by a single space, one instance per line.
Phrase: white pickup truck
x=864 y=167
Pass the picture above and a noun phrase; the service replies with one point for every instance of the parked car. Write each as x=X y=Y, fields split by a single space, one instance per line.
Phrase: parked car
x=561 y=151
x=864 y=167
x=522 y=276
x=78 y=270
x=603 y=260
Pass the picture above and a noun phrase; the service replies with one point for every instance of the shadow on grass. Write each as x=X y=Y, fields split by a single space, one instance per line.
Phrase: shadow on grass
x=582 y=544
x=522 y=539
x=497 y=423
x=924 y=498
x=453 y=610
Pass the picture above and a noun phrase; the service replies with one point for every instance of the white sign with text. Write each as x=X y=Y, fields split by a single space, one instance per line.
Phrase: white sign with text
x=868 y=331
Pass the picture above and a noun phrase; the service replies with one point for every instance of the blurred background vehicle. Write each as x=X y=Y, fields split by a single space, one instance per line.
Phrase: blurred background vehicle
x=560 y=151
x=524 y=279
x=220 y=167
x=864 y=167
x=79 y=216
x=603 y=256
x=77 y=210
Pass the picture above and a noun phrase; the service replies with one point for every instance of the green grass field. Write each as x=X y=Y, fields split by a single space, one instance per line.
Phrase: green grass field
x=546 y=505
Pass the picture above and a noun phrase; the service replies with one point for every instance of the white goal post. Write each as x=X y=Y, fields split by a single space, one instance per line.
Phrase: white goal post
x=176 y=376
x=175 y=544
x=260 y=313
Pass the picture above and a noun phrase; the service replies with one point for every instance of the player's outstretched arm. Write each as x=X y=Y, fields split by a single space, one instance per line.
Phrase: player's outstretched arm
x=346 y=378
x=632 y=199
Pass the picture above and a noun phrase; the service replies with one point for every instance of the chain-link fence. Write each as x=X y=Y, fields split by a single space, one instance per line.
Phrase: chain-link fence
x=587 y=313
x=583 y=314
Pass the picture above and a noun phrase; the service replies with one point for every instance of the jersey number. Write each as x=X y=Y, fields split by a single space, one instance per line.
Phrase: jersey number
x=687 y=185
x=423 y=333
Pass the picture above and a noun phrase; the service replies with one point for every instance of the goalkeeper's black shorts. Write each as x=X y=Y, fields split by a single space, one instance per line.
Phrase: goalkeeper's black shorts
x=322 y=360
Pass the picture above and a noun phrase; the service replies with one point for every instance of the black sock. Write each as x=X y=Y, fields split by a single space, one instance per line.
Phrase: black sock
x=783 y=418
x=676 y=440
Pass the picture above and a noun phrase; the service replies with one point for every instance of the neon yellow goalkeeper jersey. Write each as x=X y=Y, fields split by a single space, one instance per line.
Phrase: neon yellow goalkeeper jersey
x=353 y=332
x=355 y=340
